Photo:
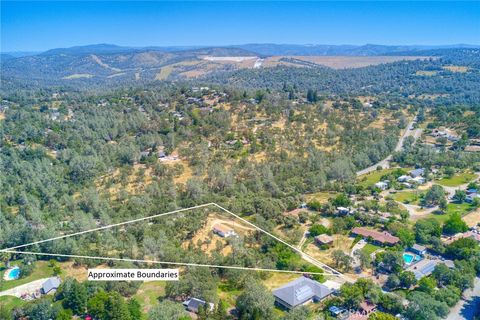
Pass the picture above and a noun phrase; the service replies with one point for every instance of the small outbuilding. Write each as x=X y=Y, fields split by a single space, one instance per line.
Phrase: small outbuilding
x=323 y=239
x=194 y=304
x=418 y=249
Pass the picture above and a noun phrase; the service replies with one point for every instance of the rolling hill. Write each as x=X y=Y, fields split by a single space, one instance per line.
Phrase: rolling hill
x=111 y=64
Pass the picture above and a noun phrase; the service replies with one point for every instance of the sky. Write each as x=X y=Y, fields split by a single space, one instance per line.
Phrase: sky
x=38 y=25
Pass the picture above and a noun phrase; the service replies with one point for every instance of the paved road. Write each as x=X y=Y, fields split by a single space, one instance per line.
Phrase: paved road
x=385 y=163
x=466 y=308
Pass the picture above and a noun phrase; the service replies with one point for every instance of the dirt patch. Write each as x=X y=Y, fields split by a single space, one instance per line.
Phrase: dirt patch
x=279 y=279
x=472 y=219
x=211 y=242
x=340 y=242
x=76 y=272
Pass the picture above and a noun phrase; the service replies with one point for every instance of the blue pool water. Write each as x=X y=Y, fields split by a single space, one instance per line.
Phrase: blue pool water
x=13 y=273
x=409 y=258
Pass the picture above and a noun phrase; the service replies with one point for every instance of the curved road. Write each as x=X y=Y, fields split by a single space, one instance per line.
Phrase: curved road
x=385 y=163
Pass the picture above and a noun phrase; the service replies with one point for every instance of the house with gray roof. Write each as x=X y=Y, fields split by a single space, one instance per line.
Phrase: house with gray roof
x=425 y=267
x=299 y=292
x=418 y=249
x=51 y=285
x=417 y=172
x=194 y=304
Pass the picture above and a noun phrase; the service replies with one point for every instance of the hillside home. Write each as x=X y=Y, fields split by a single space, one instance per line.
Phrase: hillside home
x=404 y=178
x=299 y=292
x=323 y=239
x=224 y=231
x=382 y=185
x=194 y=304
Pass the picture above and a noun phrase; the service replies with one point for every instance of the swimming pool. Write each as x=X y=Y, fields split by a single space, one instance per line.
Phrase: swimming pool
x=13 y=274
x=409 y=258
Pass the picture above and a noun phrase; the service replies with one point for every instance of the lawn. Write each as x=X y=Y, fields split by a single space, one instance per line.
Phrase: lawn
x=460 y=208
x=40 y=270
x=10 y=302
x=148 y=294
x=409 y=197
x=370 y=248
x=374 y=177
x=457 y=179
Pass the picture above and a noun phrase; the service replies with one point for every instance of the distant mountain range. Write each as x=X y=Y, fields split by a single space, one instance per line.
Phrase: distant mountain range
x=107 y=63
x=267 y=49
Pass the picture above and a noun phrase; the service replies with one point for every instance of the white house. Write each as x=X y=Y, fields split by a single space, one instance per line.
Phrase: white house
x=382 y=185
x=404 y=178
x=419 y=180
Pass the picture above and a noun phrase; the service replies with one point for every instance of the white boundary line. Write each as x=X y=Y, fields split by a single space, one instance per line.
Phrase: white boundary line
x=107 y=227
x=163 y=262
x=304 y=256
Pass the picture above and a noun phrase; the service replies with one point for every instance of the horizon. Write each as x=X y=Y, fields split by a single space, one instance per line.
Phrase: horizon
x=189 y=47
x=40 y=26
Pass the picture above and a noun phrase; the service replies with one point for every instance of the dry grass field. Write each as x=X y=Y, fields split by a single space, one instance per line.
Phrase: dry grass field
x=345 y=62
x=426 y=73
x=340 y=242
x=460 y=69
x=472 y=219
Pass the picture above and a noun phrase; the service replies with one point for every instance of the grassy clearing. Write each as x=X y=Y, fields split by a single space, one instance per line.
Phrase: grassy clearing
x=408 y=197
x=148 y=294
x=164 y=73
x=279 y=279
x=10 y=302
x=374 y=177
x=441 y=218
x=321 y=197
x=370 y=248
x=227 y=294
x=457 y=180
x=460 y=208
